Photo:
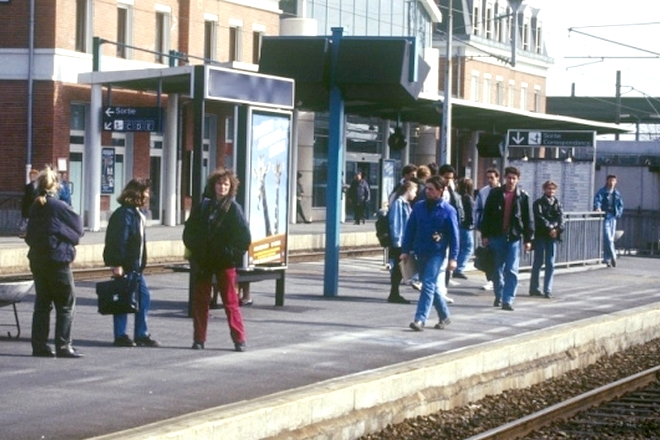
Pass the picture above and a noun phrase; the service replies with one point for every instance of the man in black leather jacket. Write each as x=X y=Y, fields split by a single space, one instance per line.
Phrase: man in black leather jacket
x=507 y=221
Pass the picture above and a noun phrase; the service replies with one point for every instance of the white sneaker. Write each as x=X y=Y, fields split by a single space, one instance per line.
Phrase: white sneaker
x=448 y=299
x=454 y=283
x=417 y=285
x=487 y=286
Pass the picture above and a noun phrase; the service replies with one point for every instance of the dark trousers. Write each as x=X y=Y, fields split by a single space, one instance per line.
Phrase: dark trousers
x=395 y=272
x=202 y=298
x=358 y=210
x=53 y=283
x=300 y=211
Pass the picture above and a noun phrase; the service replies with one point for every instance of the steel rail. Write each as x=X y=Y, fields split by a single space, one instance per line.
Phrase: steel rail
x=568 y=408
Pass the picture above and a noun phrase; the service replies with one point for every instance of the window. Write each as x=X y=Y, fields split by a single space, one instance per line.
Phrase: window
x=523 y=97
x=476 y=20
x=486 y=91
x=537 y=99
x=489 y=21
x=499 y=93
x=474 y=88
x=256 y=46
x=525 y=34
x=162 y=45
x=123 y=31
x=210 y=33
x=538 y=39
x=83 y=17
x=511 y=100
x=234 y=43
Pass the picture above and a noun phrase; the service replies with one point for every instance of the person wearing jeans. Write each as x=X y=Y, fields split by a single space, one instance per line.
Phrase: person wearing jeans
x=126 y=253
x=465 y=189
x=609 y=201
x=507 y=221
x=549 y=223
x=432 y=235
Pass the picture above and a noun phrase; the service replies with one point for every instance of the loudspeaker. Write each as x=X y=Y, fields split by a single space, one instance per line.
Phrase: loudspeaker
x=490 y=145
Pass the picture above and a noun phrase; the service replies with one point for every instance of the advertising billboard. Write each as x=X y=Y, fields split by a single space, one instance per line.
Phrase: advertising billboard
x=267 y=186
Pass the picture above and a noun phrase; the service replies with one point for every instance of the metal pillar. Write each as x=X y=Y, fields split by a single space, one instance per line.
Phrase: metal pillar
x=170 y=168
x=93 y=160
x=445 y=149
x=335 y=163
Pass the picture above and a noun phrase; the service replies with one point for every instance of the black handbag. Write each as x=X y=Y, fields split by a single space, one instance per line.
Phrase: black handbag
x=484 y=259
x=119 y=295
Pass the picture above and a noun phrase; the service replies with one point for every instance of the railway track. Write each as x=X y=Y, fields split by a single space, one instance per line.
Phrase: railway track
x=628 y=408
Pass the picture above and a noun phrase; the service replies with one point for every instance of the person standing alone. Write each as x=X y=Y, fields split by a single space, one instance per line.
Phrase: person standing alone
x=549 y=223
x=508 y=220
x=359 y=195
x=609 y=201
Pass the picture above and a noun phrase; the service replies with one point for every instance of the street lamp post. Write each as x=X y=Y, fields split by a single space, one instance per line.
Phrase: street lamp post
x=515 y=6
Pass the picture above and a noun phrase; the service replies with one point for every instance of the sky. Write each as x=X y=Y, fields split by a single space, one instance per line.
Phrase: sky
x=634 y=23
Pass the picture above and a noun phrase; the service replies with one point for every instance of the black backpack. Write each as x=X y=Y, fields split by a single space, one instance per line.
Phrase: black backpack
x=383 y=228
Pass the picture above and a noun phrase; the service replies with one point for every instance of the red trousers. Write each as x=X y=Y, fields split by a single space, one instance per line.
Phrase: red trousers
x=202 y=298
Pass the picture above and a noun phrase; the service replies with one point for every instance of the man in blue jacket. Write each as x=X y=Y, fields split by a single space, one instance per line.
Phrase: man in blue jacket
x=508 y=220
x=431 y=229
x=609 y=201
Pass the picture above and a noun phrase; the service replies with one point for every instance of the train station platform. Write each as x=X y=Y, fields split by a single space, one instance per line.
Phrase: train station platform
x=317 y=367
x=164 y=245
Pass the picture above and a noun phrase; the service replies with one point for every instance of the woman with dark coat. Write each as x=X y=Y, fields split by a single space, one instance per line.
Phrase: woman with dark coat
x=126 y=253
x=217 y=235
x=53 y=232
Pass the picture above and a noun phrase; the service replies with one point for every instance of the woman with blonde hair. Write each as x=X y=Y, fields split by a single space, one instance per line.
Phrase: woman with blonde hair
x=53 y=232
x=217 y=235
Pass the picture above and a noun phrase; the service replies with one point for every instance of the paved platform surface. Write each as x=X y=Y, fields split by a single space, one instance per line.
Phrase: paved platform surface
x=310 y=339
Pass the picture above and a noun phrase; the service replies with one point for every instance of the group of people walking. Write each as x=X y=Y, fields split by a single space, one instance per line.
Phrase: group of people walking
x=434 y=222
x=431 y=221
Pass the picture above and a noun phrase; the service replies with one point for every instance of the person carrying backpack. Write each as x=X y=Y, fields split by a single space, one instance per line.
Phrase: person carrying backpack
x=397 y=216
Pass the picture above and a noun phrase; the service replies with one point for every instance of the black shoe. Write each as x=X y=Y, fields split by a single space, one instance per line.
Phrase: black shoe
x=308 y=221
x=146 y=341
x=547 y=295
x=497 y=303
x=507 y=307
x=613 y=262
x=45 y=352
x=198 y=346
x=123 y=341
x=68 y=352
x=240 y=346
x=460 y=275
x=397 y=299
x=242 y=303
x=417 y=326
x=535 y=293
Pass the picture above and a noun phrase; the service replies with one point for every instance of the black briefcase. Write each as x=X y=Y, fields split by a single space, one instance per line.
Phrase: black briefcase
x=119 y=296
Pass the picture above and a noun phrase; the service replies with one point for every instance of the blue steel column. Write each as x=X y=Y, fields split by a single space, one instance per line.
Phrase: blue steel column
x=335 y=163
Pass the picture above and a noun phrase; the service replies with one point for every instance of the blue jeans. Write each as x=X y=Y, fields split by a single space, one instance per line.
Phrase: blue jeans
x=507 y=260
x=121 y=321
x=466 y=248
x=429 y=269
x=609 y=228
x=544 y=252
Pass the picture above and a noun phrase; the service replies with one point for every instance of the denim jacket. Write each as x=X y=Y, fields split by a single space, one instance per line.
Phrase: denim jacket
x=398 y=218
x=602 y=202
x=431 y=229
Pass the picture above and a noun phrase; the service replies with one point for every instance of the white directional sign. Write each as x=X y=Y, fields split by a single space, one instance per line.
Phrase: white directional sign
x=551 y=138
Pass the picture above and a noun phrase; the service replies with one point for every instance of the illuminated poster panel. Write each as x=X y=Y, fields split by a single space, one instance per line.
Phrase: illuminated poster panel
x=268 y=198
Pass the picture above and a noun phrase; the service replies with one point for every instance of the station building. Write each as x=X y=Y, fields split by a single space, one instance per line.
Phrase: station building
x=47 y=74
